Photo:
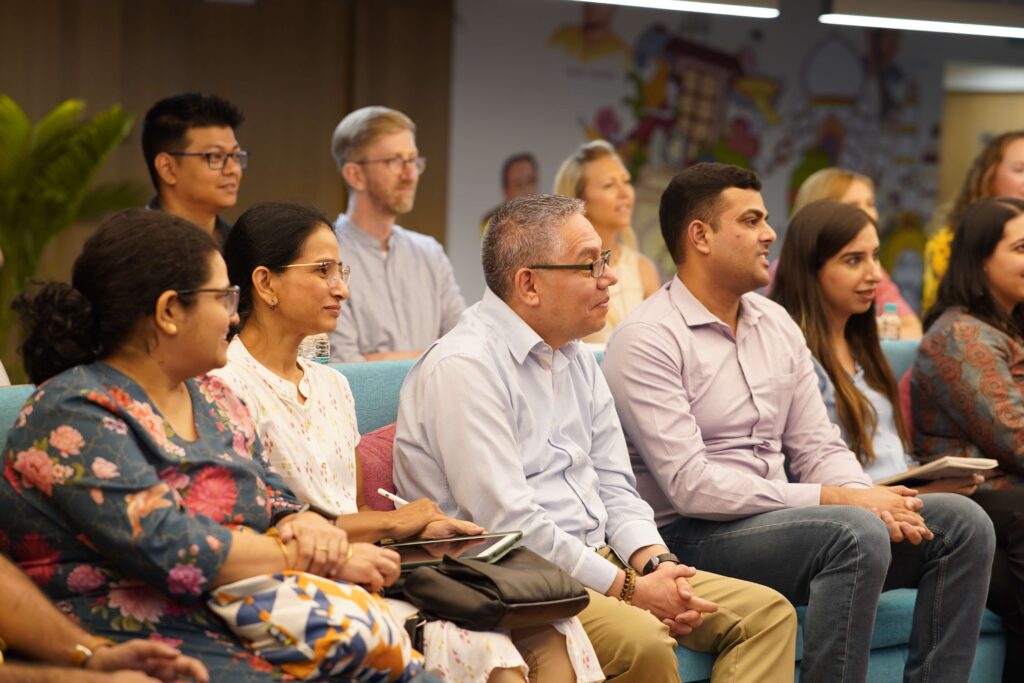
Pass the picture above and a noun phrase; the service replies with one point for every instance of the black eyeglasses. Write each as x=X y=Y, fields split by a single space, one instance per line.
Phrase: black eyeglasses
x=217 y=160
x=397 y=164
x=333 y=271
x=227 y=295
x=596 y=267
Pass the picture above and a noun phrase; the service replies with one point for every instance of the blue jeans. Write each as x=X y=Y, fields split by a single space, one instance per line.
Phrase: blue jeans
x=838 y=559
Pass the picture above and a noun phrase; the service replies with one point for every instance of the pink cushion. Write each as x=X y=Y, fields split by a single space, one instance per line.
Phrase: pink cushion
x=905 y=408
x=375 y=458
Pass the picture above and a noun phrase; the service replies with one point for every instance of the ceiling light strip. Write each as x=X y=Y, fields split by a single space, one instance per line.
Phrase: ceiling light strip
x=961 y=28
x=704 y=7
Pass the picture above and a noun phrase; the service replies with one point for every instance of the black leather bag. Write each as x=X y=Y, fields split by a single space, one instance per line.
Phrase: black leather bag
x=521 y=590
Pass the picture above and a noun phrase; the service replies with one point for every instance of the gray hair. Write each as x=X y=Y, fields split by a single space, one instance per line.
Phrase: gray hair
x=523 y=231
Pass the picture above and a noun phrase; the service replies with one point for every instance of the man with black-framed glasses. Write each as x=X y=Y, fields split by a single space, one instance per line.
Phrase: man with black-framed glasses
x=404 y=295
x=507 y=421
x=194 y=160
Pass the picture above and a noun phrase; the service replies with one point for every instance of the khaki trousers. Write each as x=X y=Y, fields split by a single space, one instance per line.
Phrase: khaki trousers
x=753 y=633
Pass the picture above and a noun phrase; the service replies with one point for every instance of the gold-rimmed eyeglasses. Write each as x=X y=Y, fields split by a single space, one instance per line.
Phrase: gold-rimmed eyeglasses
x=332 y=271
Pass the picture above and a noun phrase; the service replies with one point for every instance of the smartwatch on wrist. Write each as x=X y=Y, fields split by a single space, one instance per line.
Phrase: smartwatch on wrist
x=655 y=561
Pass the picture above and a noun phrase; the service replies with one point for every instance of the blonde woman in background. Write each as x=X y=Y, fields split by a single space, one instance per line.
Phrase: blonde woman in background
x=595 y=173
x=858 y=190
x=998 y=171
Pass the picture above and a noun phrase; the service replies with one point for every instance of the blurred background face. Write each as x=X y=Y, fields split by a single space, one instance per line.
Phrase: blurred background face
x=1004 y=269
x=861 y=195
x=608 y=194
x=521 y=180
x=1009 y=178
x=850 y=277
x=392 y=192
x=310 y=300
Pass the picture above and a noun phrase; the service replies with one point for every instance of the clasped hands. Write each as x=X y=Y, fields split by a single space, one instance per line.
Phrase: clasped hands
x=897 y=506
x=319 y=547
x=668 y=595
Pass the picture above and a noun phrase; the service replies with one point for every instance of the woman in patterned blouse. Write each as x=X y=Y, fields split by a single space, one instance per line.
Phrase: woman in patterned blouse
x=967 y=386
x=131 y=490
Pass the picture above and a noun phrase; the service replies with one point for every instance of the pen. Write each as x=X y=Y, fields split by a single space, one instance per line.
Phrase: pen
x=399 y=502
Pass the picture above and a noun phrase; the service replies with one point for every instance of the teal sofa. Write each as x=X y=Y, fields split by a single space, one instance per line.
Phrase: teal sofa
x=376 y=386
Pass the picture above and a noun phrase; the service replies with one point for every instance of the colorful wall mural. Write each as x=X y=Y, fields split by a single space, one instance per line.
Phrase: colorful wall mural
x=784 y=98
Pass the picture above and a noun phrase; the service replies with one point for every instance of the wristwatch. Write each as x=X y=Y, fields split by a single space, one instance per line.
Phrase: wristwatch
x=655 y=561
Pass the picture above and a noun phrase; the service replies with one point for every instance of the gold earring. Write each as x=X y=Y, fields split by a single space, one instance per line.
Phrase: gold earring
x=273 y=305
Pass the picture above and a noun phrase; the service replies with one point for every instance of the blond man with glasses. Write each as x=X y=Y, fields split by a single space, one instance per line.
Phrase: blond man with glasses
x=404 y=295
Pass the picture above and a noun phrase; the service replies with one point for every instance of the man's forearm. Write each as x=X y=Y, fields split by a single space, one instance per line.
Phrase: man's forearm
x=22 y=673
x=30 y=624
x=638 y=560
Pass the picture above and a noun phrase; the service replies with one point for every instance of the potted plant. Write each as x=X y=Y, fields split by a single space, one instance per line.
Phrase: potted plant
x=46 y=184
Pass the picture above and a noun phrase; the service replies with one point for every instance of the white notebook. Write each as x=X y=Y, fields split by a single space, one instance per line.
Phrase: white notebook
x=943 y=468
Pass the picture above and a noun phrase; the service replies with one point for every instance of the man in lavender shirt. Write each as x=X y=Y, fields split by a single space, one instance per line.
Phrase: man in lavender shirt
x=732 y=446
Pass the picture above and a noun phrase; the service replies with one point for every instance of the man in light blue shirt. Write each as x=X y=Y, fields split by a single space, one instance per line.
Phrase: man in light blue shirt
x=403 y=290
x=507 y=421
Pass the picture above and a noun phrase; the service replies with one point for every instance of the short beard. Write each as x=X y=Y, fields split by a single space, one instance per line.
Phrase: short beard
x=384 y=205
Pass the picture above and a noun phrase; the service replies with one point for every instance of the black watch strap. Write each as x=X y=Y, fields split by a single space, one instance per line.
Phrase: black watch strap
x=653 y=563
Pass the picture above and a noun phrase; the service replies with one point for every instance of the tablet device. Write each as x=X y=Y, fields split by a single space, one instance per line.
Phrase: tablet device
x=485 y=547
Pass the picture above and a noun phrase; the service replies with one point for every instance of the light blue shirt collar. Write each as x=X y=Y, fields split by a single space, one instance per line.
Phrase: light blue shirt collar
x=522 y=340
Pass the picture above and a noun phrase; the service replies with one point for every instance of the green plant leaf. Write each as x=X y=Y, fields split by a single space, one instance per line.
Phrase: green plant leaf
x=46 y=172
x=110 y=197
x=15 y=130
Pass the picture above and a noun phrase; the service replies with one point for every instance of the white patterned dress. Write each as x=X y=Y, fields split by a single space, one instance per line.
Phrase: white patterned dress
x=312 y=445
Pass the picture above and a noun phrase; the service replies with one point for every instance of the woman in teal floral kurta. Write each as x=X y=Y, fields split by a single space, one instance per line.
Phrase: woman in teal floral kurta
x=123 y=522
x=129 y=490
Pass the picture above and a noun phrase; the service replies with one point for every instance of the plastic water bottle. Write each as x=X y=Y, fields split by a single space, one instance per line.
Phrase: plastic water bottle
x=889 y=323
x=317 y=348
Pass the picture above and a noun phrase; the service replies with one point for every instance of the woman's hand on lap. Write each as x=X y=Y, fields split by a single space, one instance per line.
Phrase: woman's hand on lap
x=370 y=566
x=319 y=546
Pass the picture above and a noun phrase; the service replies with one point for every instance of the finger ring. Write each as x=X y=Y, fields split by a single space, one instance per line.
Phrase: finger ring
x=348 y=555
x=321 y=547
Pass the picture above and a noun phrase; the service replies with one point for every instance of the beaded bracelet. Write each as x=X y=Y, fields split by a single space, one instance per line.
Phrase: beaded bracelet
x=628 y=587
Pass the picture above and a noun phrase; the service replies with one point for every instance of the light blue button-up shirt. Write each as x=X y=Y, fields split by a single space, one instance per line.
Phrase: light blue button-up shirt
x=399 y=301
x=499 y=429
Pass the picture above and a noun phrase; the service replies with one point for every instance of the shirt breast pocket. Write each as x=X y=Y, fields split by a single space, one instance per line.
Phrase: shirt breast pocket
x=780 y=398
